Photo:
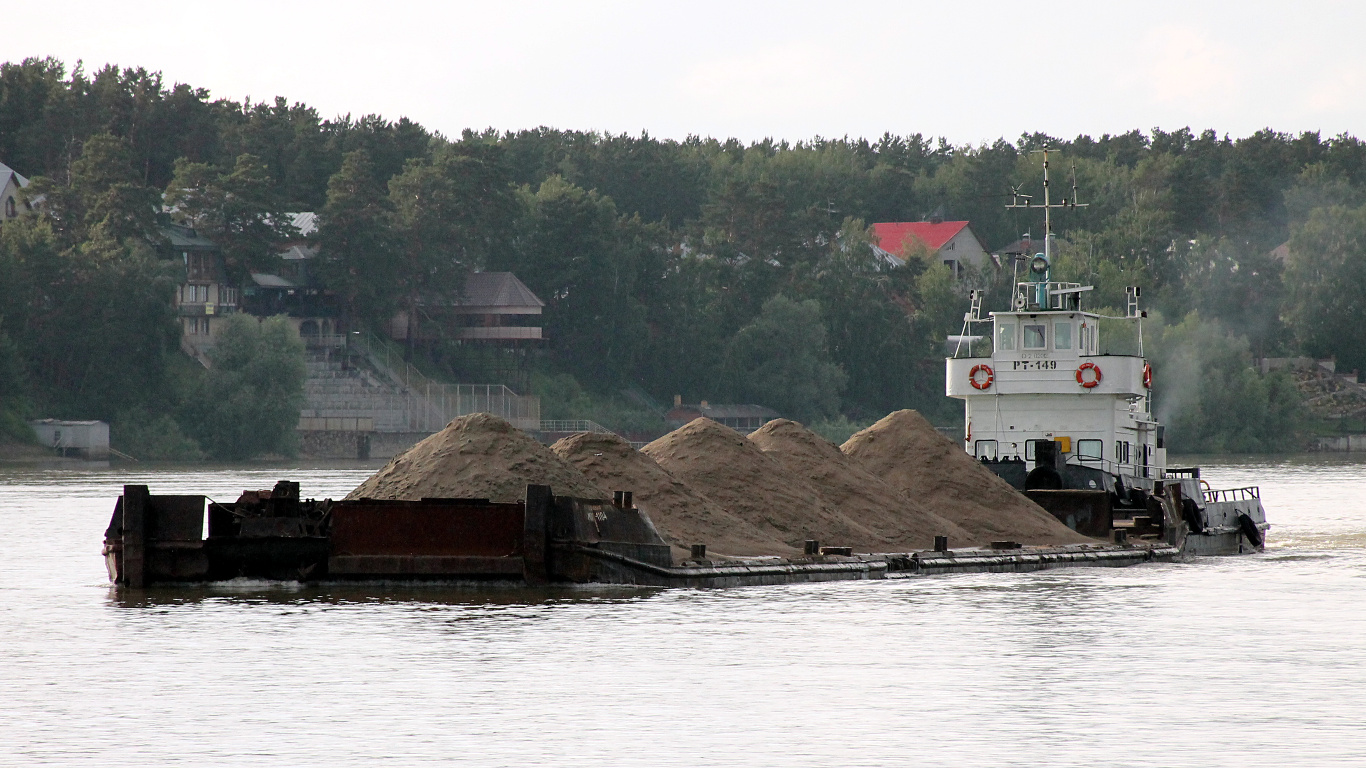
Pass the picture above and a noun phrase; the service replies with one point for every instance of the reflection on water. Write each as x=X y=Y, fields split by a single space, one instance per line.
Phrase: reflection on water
x=1246 y=661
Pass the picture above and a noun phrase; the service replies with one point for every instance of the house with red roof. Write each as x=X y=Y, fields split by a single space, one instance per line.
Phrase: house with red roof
x=952 y=242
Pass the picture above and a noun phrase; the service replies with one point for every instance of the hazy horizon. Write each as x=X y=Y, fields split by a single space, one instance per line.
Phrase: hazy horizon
x=790 y=71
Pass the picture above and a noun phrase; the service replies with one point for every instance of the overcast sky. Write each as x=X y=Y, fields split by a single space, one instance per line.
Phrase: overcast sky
x=969 y=71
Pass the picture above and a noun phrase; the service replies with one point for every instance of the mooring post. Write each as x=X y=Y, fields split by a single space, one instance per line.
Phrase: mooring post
x=136 y=499
x=535 y=534
x=941 y=543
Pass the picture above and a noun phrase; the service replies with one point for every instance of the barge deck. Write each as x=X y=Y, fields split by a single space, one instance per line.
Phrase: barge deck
x=167 y=539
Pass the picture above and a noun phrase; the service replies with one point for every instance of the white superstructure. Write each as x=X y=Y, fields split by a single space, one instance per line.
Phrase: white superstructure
x=1066 y=416
x=1045 y=378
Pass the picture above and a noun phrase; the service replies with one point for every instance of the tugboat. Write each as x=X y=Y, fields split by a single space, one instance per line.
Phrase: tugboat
x=1060 y=417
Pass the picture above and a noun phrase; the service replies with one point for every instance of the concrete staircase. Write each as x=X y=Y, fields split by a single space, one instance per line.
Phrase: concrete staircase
x=340 y=395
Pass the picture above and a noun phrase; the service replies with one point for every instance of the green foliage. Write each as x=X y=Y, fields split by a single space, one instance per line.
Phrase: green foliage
x=839 y=429
x=941 y=303
x=251 y=397
x=653 y=255
x=357 y=239
x=1210 y=397
x=1325 y=278
x=590 y=268
x=93 y=321
x=239 y=211
x=148 y=436
x=562 y=397
x=781 y=360
x=14 y=404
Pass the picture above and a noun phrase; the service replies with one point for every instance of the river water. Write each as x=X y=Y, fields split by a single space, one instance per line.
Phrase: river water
x=1246 y=661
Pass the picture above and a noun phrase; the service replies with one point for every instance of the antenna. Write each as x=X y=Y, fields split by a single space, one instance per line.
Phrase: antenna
x=1048 y=204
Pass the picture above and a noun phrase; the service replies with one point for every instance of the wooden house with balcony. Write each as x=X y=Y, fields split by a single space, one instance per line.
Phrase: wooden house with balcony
x=290 y=287
x=493 y=324
x=205 y=295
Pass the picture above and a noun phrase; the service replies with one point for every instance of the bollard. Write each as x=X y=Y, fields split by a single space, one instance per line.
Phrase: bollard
x=617 y=498
x=627 y=500
x=941 y=543
x=699 y=551
x=1121 y=537
x=813 y=547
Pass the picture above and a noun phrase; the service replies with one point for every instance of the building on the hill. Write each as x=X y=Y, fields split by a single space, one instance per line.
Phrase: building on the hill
x=205 y=295
x=741 y=417
x=12 y=203
x=951 y=242
x=494 y=323
x=291 y=288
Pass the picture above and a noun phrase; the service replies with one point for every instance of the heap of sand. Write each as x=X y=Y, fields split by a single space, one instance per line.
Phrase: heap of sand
x=680 y=514
x=479 y=456
x=907 y=452
x=736 y=474
x=899 y=522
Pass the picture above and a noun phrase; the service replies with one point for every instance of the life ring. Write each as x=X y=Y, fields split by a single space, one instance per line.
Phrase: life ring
x=981 y=383
x=1147 y=376
x=1083 y=379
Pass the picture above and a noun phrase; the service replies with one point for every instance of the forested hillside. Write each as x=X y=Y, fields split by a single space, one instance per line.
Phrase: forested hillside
x=704 y=267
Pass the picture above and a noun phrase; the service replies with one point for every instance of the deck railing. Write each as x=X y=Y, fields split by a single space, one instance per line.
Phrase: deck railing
x=1248 y=493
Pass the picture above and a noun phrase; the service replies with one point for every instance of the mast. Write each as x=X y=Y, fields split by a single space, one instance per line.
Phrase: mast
x=1048 y=204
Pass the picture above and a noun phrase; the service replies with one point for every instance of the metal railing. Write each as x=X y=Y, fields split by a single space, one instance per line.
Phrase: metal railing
x=431 y=405
x=574 y=425
x=1248 y=493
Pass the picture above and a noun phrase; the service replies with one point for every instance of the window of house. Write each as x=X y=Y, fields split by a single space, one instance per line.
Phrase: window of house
x=1005 y=337
x=986 y=449
x=1089 y=450
x=953 y=265
x=204 y=326
x=10 y=210
x=201 y=293
x=1035 y=336
x=1062 y=335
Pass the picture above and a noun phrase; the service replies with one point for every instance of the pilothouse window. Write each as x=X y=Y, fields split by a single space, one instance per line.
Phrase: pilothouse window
x=1062 y=335
x=1089 y=450
x=1035 y=336
x=986 y=449
x=1005 y=337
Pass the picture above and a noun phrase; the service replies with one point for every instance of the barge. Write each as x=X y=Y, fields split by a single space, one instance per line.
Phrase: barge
x=543 y=539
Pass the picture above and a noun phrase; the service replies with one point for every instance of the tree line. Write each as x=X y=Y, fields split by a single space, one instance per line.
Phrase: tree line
x=708 y=268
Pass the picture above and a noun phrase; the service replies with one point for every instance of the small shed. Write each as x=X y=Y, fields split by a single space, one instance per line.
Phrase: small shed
x=80 y=439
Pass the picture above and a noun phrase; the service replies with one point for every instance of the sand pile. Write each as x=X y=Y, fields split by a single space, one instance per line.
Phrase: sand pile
x=907 y=452
x=680 y=514
x=477 y=456
x=899 y=522
x=722 y=465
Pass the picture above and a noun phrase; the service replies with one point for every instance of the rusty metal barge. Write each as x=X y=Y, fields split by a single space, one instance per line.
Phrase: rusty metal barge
x=543 y=539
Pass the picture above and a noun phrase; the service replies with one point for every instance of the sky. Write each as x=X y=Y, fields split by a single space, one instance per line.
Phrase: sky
x=970 y=71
